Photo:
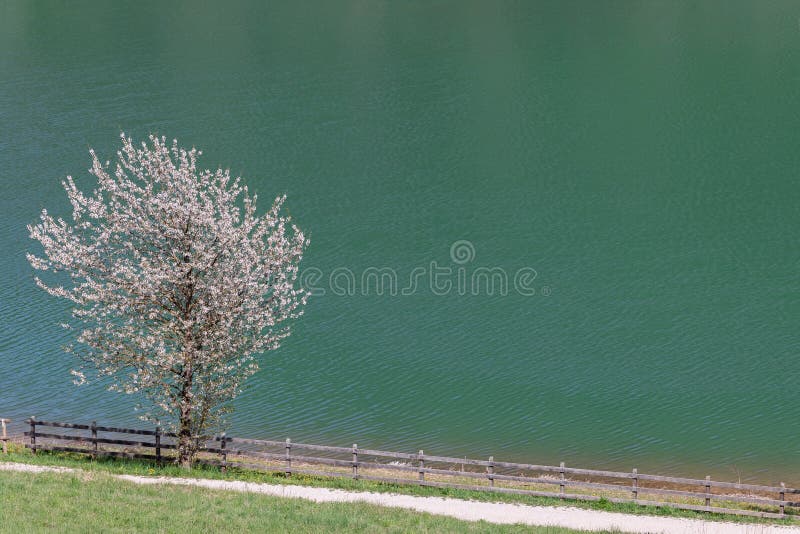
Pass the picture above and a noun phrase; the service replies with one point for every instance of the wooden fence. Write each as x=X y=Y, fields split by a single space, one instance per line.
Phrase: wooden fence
x=421 y=469
x=160 y=444
x=4 y=436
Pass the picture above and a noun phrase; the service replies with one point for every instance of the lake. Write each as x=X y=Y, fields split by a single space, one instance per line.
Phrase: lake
x=636 y=162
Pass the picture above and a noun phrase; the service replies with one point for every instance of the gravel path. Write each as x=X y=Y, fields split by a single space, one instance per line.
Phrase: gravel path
x=577 y=518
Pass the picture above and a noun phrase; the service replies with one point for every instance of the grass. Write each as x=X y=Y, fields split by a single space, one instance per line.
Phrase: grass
x=137 y=467
x=96 y=502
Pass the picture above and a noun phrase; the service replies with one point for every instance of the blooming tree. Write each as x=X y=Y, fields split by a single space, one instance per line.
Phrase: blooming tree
x=176 y=282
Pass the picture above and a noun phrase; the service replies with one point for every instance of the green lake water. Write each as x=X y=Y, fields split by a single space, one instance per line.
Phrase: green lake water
x=641 y=157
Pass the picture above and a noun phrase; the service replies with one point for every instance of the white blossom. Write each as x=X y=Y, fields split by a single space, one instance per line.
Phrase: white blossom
x=176 y=282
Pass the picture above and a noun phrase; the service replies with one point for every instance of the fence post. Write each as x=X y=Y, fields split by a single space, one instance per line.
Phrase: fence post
x=5 y=437
x=288 y=457
x=158 y=444
x=33 y=433
x=490 y=470
x=635 y=489
x=223 y=454
x=783 y=498
x=94 y=440
x=561 y=486
x=421 y=458
x=708 y=491
x=355 y=460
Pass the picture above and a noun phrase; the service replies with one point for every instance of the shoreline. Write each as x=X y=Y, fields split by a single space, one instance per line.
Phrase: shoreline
x=760 y=474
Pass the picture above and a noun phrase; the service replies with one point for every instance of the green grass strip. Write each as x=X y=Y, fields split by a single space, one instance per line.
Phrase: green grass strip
x=97 y=502
x=145 y=468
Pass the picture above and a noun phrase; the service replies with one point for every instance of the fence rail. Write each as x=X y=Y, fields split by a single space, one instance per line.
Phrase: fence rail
x=409 y=468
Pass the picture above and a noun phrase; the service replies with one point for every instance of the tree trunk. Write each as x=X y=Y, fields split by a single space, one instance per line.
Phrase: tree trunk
x=186 y=443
